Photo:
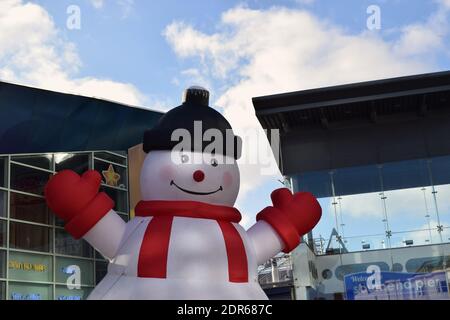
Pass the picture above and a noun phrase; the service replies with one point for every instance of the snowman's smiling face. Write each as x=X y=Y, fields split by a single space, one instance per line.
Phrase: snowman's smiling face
x=189 y=176
x=172 y=183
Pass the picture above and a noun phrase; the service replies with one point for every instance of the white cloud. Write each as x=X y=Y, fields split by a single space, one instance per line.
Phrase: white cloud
x=126 y=6
x=191 y=76
x=43 y=59
x=260 y=52
x=423 y=234
x=97 y=3
x=417 y=39
x=425 y=38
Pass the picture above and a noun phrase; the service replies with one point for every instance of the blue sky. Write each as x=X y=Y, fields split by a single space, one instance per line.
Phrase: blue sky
x=146 y=52
x=130 y=46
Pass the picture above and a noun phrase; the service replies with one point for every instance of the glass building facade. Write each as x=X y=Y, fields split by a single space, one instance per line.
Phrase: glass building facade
x=38 y=259
x=381 y=206
x=394 y=216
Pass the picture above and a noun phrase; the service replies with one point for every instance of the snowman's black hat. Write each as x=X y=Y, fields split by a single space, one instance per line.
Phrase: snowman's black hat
x=195 y=117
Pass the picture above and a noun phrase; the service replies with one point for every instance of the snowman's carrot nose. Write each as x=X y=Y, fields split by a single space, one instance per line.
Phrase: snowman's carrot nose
x=199 y=175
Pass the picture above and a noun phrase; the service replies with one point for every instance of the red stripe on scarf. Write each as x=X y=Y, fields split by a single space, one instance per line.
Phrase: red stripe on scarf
x=237 y=258
x=155 y=247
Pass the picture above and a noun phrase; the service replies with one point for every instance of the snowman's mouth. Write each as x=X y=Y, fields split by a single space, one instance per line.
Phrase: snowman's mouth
x=172 y=183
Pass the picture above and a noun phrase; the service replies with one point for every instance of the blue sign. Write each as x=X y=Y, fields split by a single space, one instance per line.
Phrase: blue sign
x=69 y=297
x=30 y=296
x=382 y=285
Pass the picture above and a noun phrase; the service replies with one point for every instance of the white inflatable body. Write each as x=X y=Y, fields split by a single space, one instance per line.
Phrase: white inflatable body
x=197 y=266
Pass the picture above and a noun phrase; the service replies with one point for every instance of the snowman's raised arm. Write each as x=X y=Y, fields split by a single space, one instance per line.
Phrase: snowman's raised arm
x=265 y=240
x=106 y=235
x=280 y=228
x=87 y=213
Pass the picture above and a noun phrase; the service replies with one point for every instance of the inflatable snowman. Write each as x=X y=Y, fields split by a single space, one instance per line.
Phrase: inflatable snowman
x=185 y=241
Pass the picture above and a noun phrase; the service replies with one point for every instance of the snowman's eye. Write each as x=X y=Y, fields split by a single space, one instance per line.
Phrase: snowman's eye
x=214 y=162
x=184 y=158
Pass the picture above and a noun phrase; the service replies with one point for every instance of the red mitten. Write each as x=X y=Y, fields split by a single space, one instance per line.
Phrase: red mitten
x=77 y=201
x=291 y=216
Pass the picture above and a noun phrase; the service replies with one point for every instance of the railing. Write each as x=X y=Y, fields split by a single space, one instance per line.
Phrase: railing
x=276 y=272
x=390 y=239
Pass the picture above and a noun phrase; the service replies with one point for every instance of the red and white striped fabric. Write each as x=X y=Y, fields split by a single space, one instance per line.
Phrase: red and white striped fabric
x=187 y=239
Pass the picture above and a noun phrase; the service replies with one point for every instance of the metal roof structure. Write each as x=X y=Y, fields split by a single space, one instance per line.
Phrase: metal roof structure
x=363 y=100
x=34 y=120
x=361 y=123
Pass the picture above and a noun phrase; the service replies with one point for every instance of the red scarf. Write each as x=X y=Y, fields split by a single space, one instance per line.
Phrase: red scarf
x=155 y=245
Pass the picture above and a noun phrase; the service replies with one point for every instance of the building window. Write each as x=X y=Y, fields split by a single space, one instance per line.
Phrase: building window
x=65 y=244
x=99 y=256
x=440 y=172
x=2 y=290
x=3 y=172
x=29 y=208
x=440 y=169
x=120 y=198
x=3 y=203
x=40 y=161
x=29 y=237
x=30 y=267
x=343 y=270
x=76 y=162
x=26 y=291
x=101 y=268
x=2 y=264
x=408 y=200
x=28 y=179
x=427 y=264
x=59 y=222
x=111 y=157
x=66 y=267
x=112 y=175
x=327 y=274
x=3 y=225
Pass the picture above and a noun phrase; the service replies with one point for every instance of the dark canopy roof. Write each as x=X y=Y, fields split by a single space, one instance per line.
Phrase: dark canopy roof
x=361 y=123
x=356 y=100
x=34 y=120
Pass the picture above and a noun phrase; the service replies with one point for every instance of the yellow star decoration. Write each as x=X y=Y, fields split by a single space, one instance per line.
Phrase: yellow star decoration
x=111 y=177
